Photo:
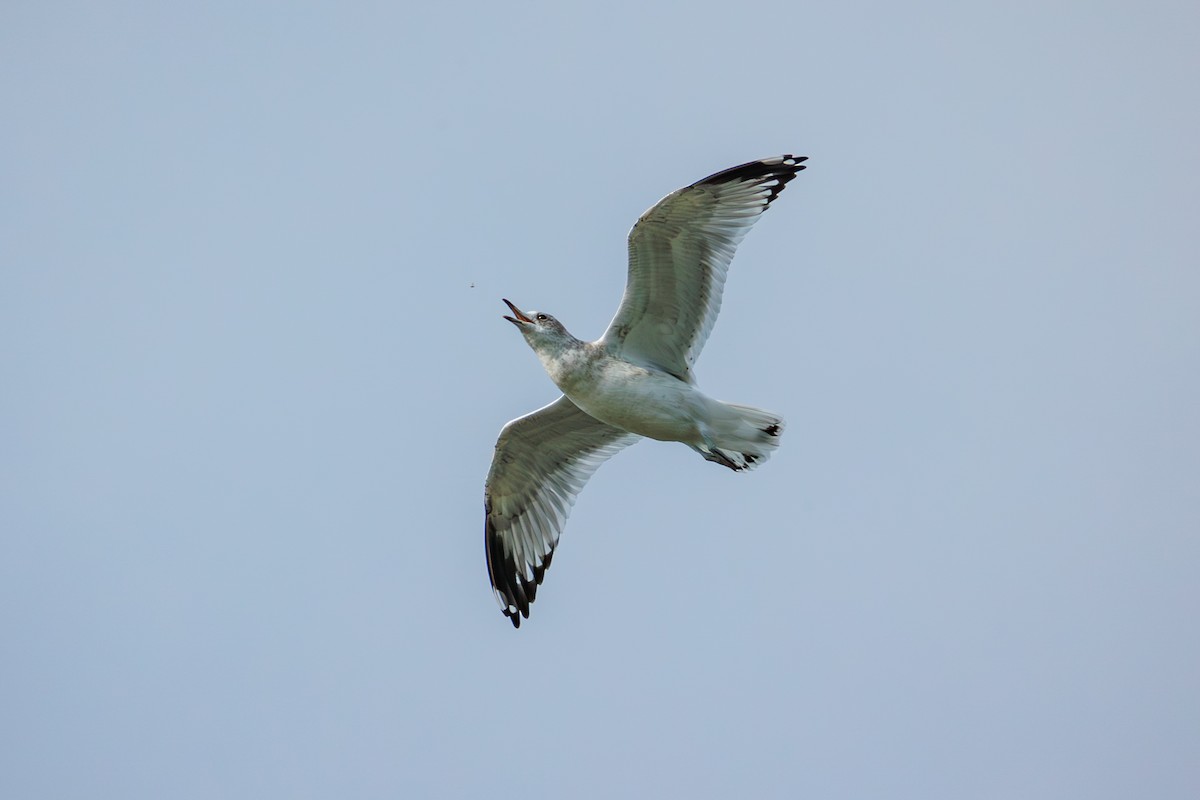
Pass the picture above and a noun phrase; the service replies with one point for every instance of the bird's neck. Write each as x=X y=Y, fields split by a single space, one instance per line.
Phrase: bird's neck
x=563 y=361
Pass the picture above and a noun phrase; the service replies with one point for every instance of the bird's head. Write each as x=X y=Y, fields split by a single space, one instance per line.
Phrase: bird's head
x=537 y=328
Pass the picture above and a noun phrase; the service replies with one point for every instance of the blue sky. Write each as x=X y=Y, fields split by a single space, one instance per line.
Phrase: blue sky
x=251 y=262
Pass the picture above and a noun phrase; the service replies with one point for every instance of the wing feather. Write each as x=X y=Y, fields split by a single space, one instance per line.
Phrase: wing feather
x=542 y=461
x=679 y=254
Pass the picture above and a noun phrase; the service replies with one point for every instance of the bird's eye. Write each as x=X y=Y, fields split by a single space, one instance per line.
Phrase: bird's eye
x=541 y=317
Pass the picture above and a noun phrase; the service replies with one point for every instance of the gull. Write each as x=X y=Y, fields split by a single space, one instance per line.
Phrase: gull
x=635 y=381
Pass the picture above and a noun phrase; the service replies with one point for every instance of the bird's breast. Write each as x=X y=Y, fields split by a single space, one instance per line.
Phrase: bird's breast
x=636 y=399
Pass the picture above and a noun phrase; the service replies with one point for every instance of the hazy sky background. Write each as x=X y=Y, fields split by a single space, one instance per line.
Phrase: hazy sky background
x=254 y=367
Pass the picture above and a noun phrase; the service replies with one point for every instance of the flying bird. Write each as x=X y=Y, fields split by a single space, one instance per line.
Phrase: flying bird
x=634 y=381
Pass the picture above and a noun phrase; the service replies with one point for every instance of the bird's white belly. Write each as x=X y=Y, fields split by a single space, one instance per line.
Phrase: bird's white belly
x=640 y=400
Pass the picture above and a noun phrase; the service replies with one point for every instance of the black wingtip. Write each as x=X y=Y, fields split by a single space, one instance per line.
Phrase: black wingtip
x=515 y=592
x=780 y=169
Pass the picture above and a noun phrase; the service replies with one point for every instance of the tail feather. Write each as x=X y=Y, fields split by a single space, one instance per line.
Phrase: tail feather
x=741 y=437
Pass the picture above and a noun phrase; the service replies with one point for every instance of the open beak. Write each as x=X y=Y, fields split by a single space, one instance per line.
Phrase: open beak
x=520 y=318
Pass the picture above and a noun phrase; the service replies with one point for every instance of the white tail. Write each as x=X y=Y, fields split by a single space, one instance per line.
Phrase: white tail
x=740 y=437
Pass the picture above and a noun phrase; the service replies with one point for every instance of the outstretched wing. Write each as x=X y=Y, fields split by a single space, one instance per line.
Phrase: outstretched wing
x=679 y=253
x=542 y=461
